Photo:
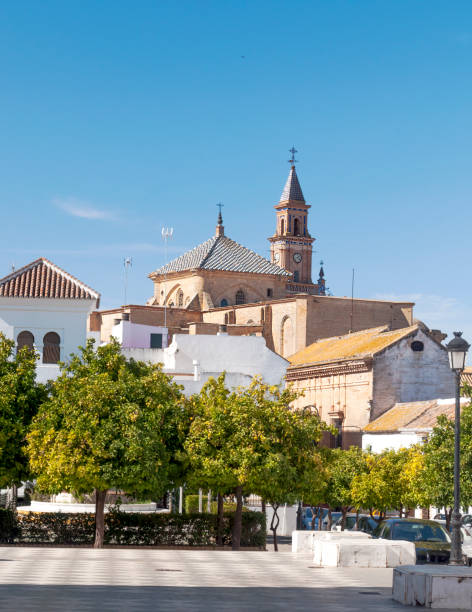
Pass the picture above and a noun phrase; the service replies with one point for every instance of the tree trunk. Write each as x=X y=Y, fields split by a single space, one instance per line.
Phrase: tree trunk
x=99 y=518
x=219 y=521
x=274 y=523
x=357 y=520
x=263 y=506
x=330 y=520
x=238 y=517
x=313 y=517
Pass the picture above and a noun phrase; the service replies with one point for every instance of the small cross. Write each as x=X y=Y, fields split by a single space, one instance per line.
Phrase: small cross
x=292 y=160
x=220 y=206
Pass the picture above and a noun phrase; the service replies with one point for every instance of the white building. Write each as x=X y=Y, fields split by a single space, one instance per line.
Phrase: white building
x=406 y=424
x=45 y=308
x=193 y=359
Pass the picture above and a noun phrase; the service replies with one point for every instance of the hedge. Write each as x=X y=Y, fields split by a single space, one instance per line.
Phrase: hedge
x=131 y=529
x=191 y=505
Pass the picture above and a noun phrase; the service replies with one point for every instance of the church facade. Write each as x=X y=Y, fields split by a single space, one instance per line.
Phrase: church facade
x=221 y=282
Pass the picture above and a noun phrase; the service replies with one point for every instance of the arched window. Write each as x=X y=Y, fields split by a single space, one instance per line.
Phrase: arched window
x=296 y=227
x=296 y=276
x=287 y=340
x=180 y=298
x=282 y=227
x=240 y=297
x=51 y=348
x=25 y=338
x=224 y=302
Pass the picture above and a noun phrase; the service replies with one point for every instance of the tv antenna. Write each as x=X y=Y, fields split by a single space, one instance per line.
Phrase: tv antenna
x=127 y=264
x=167 y=233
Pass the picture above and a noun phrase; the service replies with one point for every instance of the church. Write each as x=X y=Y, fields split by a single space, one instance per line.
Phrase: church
x=221 y=282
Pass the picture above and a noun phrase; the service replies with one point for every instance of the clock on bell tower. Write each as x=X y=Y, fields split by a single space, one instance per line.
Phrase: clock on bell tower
x=291 y=245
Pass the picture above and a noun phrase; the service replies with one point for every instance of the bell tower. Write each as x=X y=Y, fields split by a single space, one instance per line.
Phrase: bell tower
x=291 y=245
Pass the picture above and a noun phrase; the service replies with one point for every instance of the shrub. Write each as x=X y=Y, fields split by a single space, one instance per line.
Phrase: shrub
x=191 y=504
x=8 y=526
x=134 y=528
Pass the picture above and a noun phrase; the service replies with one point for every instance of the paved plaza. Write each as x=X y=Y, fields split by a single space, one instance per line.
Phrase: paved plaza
x=53 y=579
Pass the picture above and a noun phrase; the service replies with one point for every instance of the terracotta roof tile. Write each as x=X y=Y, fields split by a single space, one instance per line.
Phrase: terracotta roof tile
x=357 y=345
x=466 y=377
x=413 y=416
x=43 y=279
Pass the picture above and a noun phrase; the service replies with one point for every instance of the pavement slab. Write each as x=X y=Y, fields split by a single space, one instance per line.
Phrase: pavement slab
x=58 y=579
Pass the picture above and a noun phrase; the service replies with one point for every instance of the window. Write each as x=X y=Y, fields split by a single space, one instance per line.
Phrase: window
x=224 y=302
x=417 y=346
x=296 y=227
x=282 y=227
x=226 y=318
x=180 y=298
x=296 y=276
x=51 y=348
x=156 y=341
x=240 y=297
x=269 y=292
x=25 y=338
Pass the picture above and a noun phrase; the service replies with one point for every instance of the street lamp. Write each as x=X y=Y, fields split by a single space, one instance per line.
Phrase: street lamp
x=457 y=350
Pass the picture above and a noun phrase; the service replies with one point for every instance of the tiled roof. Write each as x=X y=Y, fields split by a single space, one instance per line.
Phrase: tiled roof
x=292 y=189
x=466 y=377
x=222 y=253
x=413 y=416
x=357 y=345
x=43 y=279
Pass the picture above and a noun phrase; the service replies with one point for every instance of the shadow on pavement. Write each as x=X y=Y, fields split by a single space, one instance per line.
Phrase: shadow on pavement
x=194 y=599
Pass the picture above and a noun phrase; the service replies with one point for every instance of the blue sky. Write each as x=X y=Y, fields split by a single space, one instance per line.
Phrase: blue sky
x=118 y=118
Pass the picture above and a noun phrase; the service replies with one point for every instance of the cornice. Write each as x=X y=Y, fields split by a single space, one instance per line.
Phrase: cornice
x=328 y=369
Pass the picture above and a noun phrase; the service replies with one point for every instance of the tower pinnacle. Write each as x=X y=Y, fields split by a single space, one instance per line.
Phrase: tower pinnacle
x=220 y=230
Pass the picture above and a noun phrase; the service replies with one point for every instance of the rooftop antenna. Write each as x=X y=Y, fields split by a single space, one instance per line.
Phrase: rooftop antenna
x=352 y=302
x=13 y=269
x=167 y=233
x=127 y=263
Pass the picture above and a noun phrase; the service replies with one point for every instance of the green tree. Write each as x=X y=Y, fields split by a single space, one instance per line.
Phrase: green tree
x=249 y=441
x=436 y=480
x=387 y=483
x=109 y=423
x=20 y=398
x=342 y=468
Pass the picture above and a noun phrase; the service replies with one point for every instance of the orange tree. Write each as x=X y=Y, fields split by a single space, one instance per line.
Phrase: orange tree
x=109 y=423
x=250 y=441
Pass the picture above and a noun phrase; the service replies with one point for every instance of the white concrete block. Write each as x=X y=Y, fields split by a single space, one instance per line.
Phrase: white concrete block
x=363 y=553
x=433 y=586
x=303 y=541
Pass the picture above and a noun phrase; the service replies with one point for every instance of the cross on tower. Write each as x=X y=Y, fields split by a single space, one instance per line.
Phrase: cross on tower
x=220 y=218
x=292 y=160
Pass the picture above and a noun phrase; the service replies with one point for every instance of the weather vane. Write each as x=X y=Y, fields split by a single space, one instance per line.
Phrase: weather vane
x=292 y=160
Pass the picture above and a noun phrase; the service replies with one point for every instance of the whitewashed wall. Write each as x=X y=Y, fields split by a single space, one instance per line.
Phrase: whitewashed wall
x=66 y=317
x=380 y=442
x=403 y=375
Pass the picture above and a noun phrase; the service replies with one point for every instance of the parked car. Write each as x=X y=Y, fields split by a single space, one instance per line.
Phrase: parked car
x=307 y=517
x=334 y=517
x=466 y=540
x=365 y=523
x=432 y=542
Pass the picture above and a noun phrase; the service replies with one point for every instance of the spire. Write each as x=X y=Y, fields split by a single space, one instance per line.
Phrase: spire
x=220 y=230
x=292 y=189
x=321 y=281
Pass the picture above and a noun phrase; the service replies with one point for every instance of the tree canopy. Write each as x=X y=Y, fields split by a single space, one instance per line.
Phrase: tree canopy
x=20 y=397
x=250 y=441
x=108 y=424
